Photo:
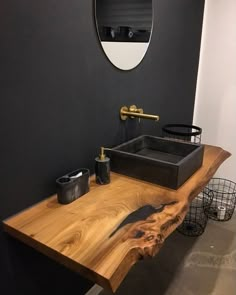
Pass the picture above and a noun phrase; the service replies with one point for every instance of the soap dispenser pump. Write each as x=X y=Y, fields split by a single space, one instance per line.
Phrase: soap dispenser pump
x=102 y=168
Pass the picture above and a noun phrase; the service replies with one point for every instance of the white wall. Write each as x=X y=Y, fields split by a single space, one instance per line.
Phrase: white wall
x=215 y=105
x=125 y=55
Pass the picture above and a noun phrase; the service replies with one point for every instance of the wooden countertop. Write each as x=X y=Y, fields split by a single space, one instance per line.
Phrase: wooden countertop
x=98 y=236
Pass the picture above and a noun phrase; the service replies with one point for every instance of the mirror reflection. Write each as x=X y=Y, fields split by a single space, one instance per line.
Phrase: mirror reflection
x=124 y=29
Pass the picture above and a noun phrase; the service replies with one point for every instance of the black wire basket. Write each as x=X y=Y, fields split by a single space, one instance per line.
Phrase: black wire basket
x=183 y=132
x=224 y=199
x=195 y=221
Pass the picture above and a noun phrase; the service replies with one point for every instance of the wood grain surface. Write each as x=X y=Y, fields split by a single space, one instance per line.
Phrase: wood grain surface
x=102 y=234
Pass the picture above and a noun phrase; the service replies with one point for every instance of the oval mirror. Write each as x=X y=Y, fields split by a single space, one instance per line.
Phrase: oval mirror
x=124 y=28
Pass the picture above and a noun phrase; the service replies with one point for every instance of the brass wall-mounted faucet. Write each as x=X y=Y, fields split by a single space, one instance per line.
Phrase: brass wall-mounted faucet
x=134 y=112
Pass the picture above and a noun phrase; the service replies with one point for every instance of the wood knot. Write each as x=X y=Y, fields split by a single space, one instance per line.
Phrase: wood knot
x=149 y=238
x=159 y=239
x=138 y=234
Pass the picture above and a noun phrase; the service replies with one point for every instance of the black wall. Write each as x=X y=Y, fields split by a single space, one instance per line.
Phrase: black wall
x=59 y=101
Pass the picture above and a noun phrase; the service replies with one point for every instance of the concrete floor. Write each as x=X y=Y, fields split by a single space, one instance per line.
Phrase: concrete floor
x=205 y=265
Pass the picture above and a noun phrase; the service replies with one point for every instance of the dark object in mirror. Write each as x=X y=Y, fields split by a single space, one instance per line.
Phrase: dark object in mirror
x=121 y=23
x=123 y=34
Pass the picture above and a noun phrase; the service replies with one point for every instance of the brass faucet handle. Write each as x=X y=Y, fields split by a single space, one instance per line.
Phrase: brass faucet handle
x=123 y=113
x=134 y=109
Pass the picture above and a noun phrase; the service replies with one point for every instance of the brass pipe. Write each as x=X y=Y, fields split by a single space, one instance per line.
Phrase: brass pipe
x=142 y=116
x=134 y=112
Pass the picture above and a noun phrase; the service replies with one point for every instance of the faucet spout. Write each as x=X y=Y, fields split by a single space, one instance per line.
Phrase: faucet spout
x=134 y=112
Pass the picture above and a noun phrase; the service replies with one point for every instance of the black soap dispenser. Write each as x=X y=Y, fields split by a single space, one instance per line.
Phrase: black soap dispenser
x=102 y=168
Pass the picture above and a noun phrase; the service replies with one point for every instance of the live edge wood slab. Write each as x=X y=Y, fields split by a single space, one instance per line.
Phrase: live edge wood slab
x=105 y=232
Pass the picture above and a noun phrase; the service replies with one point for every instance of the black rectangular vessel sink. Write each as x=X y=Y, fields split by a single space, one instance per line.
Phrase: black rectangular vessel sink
x=157 y=160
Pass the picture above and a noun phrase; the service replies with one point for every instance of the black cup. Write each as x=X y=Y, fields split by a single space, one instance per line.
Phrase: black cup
x=70 y=188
